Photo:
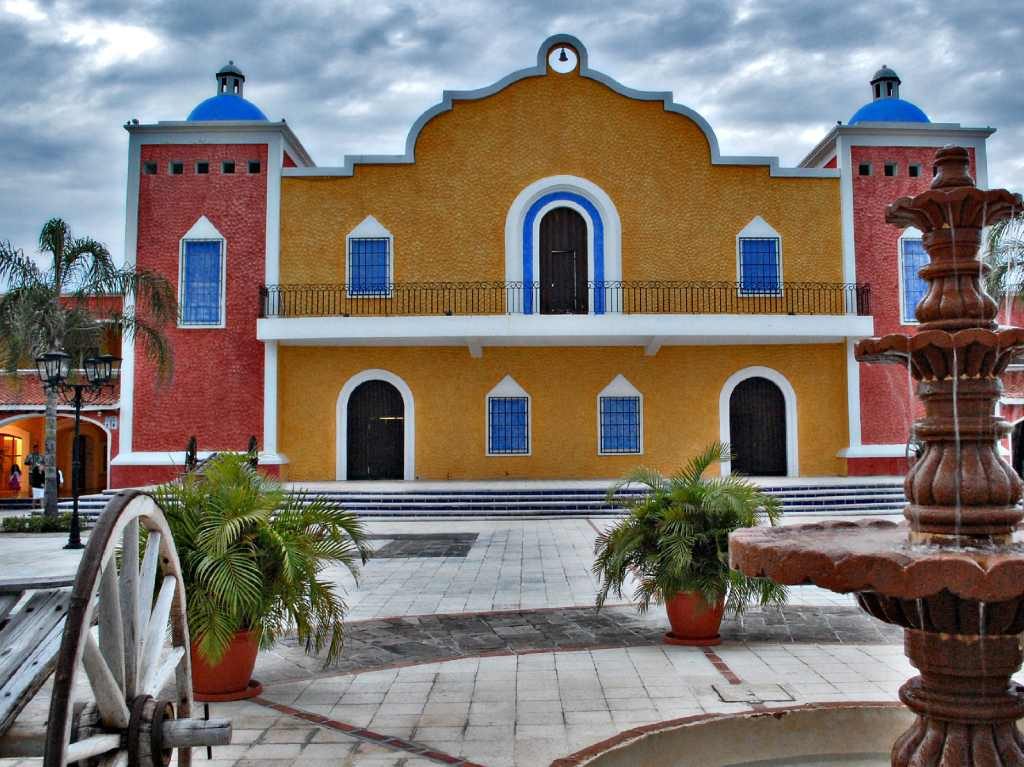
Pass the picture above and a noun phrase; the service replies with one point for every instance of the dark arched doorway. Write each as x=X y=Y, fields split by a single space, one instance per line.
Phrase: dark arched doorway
x=563 y=262
x=376 y=432
x=757 y=428
x=1017 y=448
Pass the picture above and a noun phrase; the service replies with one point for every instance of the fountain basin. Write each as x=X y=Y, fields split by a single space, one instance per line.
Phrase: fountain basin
x=819 y=734
x=876 y=556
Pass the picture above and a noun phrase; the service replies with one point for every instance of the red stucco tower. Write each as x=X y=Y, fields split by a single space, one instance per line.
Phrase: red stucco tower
x=886 y=152
x=202 y=209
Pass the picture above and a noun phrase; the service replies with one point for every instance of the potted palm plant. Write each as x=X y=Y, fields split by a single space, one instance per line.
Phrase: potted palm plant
x=674 y=542
x=253 y=557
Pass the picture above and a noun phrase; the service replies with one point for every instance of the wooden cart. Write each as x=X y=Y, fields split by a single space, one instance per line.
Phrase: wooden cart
x=115 y=639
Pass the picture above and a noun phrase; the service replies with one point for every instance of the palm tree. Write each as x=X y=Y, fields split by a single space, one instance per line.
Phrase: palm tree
x=1004 y=255
x=53 y=306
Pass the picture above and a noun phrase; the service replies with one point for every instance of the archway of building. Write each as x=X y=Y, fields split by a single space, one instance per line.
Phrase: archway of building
x=1017 y=447
x=27 y=432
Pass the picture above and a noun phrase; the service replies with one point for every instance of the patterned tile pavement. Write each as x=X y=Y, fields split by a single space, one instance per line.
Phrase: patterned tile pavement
x=494 y=656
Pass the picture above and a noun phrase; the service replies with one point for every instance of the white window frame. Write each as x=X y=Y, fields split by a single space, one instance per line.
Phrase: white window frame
x=203 y=231
x=508 y=387
x=620 y=387
x=910 y=233
x=757 y=229
x=369 y=229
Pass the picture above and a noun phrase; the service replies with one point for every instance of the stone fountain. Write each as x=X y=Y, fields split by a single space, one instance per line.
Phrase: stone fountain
x=952 y=574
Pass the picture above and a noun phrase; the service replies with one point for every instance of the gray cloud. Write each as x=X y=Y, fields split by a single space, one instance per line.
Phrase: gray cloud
x=770 y=75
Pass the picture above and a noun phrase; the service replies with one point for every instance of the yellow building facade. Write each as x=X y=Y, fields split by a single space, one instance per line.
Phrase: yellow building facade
x=560 y=278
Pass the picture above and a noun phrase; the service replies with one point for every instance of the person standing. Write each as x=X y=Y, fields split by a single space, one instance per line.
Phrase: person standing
x=34 y=458
x=36 y=481
x=14 y=480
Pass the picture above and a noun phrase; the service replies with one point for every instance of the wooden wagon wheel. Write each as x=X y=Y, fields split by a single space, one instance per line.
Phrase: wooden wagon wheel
x=116 y=634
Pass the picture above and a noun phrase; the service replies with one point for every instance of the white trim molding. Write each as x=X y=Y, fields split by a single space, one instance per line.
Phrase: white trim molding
x=873 y=451
x=789 y=396
x=650 y=331
x=369 y=228
x=508 y=387
x=621 y=387
x=203 y=231
x=177 y=458
x=341 y=421
x=541 y=69
x=270 y=397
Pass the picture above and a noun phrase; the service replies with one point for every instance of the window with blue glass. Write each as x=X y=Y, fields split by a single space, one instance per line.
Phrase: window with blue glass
x=508 y=425
x=912 y=257
x=202 y=277
x=369 y=266
x=759 y=265
x=620 y=424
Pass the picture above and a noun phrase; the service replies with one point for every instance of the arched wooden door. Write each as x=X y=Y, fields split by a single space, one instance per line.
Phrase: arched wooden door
x=376 y=432
x=757 y=428
x=563 y=262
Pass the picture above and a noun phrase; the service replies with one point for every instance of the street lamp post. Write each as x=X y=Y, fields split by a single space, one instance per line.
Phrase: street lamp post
x=100 y=370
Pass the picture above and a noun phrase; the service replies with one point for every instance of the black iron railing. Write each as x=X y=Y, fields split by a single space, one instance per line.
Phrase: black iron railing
x=625 y=297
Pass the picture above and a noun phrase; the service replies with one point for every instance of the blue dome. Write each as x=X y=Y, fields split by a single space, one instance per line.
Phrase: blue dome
x=226 y=106
x=887 y=110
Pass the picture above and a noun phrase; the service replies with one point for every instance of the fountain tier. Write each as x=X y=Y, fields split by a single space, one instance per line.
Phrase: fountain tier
x=952 y=576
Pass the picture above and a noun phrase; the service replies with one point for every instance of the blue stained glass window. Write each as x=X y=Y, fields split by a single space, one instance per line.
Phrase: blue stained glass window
x=202 y=274
x=620 y=424
x=508 y=425
x=914 y=288
x=759 y=265
x=368 y=268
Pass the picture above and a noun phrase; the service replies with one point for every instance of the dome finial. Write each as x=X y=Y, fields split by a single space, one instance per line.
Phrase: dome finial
x=230 y=79
x=885 y=84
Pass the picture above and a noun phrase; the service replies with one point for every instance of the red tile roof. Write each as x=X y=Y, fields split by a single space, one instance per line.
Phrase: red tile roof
x=26 y=389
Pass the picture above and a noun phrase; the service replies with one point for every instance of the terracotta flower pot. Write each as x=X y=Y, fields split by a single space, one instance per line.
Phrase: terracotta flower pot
x=229 y=679
x=693 y=621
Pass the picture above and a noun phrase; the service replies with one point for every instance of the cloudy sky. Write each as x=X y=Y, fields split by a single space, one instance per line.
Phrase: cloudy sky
x=351 y=77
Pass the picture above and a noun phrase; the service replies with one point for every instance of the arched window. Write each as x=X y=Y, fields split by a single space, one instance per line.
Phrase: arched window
x=368 y=260
x=759 y=259
x=620 y=408
x=508 y=419
x=202 y=276
x=913 y=288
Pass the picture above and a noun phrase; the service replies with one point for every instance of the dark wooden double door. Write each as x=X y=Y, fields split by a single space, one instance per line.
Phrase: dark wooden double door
x=757 y=428
x=563 y=262
x=376 y=432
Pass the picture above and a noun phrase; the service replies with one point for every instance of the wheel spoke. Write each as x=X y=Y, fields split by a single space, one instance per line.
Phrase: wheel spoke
x=109 y=698
x=111 y=628
x=159 y=676
x=92 y=746
x=156 y=630
x=129 y=604
x=120 y=759
x=147 y=579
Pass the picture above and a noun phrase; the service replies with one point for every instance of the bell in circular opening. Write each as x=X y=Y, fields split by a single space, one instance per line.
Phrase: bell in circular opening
x=562 y=59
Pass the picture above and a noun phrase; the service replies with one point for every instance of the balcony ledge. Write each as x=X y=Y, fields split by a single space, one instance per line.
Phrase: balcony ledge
x=648 y=330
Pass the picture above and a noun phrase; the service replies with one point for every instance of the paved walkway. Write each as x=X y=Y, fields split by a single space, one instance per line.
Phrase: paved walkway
x=475 y=642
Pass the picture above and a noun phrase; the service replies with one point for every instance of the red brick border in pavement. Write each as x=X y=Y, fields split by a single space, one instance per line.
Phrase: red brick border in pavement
x=370 y=736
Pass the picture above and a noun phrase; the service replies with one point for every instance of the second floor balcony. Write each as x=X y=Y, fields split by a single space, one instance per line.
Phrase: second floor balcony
x=424 y=299
x=648 y=314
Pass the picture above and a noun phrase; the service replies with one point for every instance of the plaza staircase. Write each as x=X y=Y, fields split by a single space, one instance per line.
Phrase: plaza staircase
x=879 y=496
